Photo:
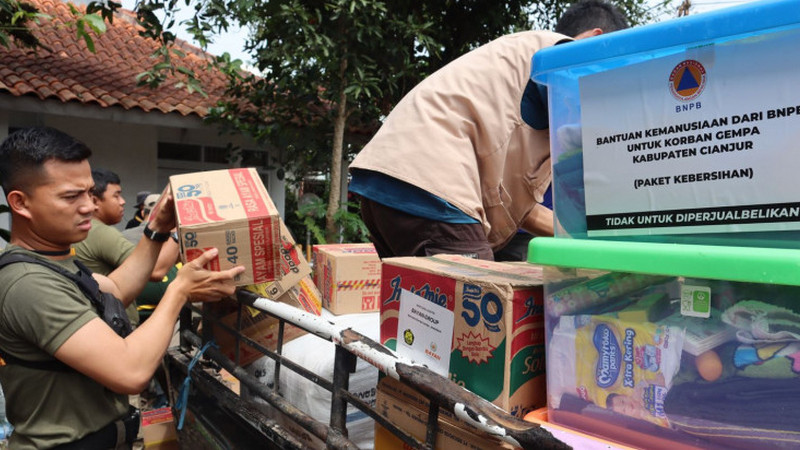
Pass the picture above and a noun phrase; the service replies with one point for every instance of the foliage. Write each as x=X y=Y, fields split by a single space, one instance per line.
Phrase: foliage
x=159 y=30
x=16 y=17
x=15 y=20
x=311 y=217
x=332 y=69
x=544 y=13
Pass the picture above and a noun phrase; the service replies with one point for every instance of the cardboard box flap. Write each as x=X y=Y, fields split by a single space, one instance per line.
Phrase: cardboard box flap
x=460 y=269
x=220 y=195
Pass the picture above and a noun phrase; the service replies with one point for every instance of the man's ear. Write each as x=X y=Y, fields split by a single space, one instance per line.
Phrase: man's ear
x=96 y=199
x=18 y=202
x=589 y=33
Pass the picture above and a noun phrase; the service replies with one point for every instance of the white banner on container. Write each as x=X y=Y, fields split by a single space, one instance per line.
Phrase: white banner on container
x=425 y=332
x=707 y=140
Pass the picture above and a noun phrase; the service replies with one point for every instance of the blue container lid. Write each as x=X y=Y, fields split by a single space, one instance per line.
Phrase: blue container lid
x=716 y=26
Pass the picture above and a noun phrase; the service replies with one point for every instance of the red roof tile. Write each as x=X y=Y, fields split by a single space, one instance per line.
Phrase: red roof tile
x=70 y=73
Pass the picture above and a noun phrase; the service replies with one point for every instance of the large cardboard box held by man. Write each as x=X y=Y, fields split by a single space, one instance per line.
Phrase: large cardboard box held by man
x=480 y=324
x=349 y=277
x=230 y=210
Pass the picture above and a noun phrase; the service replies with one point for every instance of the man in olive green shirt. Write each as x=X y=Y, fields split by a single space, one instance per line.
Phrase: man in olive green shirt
x=105 y=248
x=45 y=318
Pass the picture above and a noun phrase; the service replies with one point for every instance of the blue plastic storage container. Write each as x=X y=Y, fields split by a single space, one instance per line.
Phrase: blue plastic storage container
x=683 y=131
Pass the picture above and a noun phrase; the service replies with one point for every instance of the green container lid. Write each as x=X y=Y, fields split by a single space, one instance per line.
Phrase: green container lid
x=748 y=264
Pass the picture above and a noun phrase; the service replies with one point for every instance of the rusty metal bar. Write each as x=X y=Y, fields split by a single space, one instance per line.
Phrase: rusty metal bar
x=466 y=405
x=288 y=363
x=332 y=437
x=185 y=323
x=410 y=441
x=344 y=364
x=279 y=350
x=237 y=336
x=224 y=398
x=433 y=424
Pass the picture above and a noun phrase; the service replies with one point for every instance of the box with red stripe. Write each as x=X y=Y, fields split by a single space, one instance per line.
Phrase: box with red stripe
x=232 y=211
x=349 y=277
x=488 y=319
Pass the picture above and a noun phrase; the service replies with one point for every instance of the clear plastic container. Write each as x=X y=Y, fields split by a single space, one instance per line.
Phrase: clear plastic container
x=659 y=345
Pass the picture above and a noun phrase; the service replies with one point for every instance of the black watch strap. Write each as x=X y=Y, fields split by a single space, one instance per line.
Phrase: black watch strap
x=154 y=236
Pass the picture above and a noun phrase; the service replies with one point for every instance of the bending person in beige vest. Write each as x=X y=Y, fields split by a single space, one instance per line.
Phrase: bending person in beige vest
x=463 y=161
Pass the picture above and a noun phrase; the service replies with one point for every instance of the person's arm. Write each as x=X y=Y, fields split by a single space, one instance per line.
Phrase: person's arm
x=137 y=269
x=126 y=365
x=167 y=257
x=539 y=221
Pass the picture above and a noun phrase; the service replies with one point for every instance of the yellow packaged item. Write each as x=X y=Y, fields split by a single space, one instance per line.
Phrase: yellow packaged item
x=623 y=366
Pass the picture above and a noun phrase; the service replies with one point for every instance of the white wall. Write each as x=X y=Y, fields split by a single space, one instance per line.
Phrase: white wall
x=129 y=150
x=126 y=142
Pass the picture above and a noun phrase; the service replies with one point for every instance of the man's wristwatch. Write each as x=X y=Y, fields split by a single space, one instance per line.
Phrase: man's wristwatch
x=155 y=236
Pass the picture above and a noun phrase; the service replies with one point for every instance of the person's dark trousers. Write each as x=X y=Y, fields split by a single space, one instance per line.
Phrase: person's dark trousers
x=117 y=435
x=516 y=249
x=396 y=233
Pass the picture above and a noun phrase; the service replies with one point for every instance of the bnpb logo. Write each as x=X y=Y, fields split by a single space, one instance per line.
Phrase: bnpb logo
x=687 y=80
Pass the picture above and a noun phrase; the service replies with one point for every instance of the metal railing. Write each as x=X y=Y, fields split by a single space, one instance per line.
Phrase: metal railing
x=443 y=394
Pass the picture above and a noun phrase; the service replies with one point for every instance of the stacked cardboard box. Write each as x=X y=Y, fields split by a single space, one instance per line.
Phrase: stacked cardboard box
x=295 y=288
x=407 y=409
x=158 y=429
x=480 y=324
x=230 y=210
x=349 y=276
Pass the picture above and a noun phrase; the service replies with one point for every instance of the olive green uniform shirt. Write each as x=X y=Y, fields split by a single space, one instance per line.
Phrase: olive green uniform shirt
x=39 y=310
x=103 y=250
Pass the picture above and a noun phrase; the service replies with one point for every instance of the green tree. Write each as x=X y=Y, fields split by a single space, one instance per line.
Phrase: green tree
x=460 y=26
x=331 y=69
x=338 y=66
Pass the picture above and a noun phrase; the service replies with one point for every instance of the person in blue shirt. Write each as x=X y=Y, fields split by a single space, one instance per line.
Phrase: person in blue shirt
x=463 y=160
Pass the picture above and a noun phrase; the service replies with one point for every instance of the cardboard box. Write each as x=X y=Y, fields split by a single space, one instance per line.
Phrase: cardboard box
x=349 y=277
x=451 y=434
x=482 y=328
x=230 y=210
x=262 y=327
x=416 y=399
x=158 y=429
x=294 y=268
x=230 y=381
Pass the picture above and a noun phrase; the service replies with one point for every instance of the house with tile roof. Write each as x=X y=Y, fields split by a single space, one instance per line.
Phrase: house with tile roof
x=143 y=134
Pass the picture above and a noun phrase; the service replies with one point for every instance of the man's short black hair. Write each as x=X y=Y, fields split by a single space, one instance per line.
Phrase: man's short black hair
x=24 y=152
x=585 y=15
x=102 y=178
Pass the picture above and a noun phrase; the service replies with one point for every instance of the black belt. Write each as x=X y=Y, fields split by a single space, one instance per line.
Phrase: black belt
x=113 y=435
